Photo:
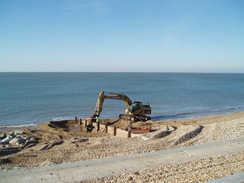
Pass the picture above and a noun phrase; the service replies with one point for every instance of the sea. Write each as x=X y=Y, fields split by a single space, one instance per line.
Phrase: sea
x=34 y=98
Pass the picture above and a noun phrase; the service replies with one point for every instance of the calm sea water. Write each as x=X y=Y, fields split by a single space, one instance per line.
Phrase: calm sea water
x=32 y=98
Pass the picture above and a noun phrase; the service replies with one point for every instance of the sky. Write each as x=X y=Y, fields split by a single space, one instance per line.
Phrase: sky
x=122 y=36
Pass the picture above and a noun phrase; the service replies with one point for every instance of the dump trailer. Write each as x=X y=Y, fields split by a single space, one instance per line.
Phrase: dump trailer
x=135 y=110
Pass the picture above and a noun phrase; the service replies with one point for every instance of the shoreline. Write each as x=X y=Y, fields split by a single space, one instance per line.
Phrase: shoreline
x=173 y=116
x=6 y=129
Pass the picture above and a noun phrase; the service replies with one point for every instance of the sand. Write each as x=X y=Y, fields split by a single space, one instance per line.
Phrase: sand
x=68 y=143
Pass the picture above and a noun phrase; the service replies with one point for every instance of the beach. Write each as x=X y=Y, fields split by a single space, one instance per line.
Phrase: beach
x=121 y=91
x=61 y=145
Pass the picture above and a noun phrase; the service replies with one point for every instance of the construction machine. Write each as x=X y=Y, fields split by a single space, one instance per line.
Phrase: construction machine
x=135 y=110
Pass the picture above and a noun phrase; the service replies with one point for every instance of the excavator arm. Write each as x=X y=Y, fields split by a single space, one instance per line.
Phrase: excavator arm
x=110 y=95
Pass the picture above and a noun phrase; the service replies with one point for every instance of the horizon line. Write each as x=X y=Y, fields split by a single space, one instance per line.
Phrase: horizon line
x=121 y=72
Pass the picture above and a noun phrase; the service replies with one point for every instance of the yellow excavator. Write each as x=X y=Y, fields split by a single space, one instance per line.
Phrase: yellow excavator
x=135 y=110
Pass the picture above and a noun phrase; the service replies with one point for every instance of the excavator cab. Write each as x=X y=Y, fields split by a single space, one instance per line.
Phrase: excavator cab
x=135 y=106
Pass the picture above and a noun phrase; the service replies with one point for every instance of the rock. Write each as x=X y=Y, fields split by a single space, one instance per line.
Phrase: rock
x=27 y=137
x=14 y=141
x=17 y=141
x=2 y=146
x=7 y=139
x=21 y=142
x=22 y=137
x=31 y=141
x=2 y=135
x=18 y=132
x=28 y=143
x=145 y=137
x=7 y=146
x=11 y=133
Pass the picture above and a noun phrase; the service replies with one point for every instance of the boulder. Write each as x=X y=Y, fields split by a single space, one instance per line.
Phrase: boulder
x=7 y=146
x=7 y=139
x=11 y=133
x=17 y=141
x=2 y=146
x=21 y=142
x=2 y=135
x=18 y=132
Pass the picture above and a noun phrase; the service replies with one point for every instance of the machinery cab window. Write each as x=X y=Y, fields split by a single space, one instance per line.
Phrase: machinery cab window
x=135 y=105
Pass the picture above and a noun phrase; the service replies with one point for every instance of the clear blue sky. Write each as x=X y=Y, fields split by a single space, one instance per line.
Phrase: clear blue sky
x=122 y=35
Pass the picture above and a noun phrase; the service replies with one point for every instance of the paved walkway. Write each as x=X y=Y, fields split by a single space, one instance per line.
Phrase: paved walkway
x=236 y=178
x=85 y=170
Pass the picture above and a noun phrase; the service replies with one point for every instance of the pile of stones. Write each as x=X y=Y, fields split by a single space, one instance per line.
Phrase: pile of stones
x=16 y=138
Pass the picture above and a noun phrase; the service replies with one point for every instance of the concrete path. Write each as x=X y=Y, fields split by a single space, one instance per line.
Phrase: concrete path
x=236 y=178
x=85 y=170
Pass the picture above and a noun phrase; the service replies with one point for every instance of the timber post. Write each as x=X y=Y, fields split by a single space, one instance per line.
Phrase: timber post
x=98 y=126
x=115 y=130
x=129 y=134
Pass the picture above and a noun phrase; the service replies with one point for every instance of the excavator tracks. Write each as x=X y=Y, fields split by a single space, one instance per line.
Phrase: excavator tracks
x=134 y=118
